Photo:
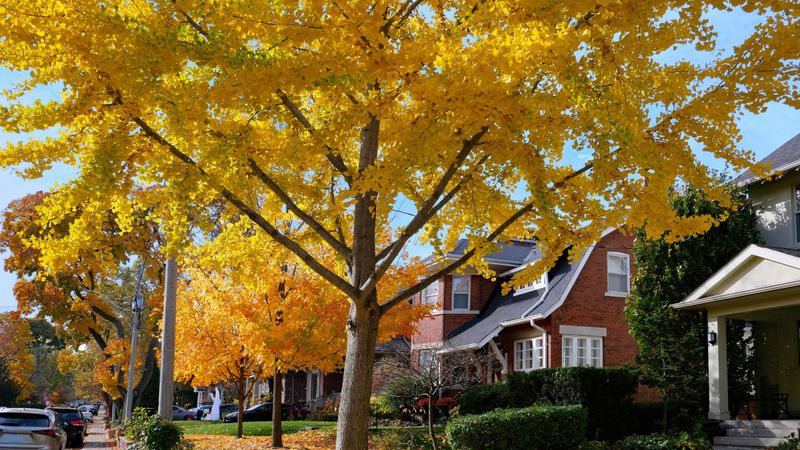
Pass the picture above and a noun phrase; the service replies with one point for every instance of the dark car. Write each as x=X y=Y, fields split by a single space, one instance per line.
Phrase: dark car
x=203 y=411
x=73 y=424
x=260 y=412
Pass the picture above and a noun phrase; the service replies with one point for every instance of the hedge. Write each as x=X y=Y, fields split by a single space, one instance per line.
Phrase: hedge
x=606 y=393
x=662 y=442
x=535 y=427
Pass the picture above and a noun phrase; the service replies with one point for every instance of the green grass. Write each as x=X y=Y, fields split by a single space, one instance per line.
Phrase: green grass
x=250 y=428
x=411 y=438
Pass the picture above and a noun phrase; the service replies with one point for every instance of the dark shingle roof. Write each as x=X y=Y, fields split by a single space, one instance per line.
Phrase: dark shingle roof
x=396 y=345
x=501 y=308
x=512 y=253
x=784 y=157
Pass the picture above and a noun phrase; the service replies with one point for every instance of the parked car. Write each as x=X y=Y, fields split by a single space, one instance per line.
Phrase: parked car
x=90 y=408
x=29 y=428
x=179 y=413
x=87 y=416
x=260 y=412
x=203 y=411
x=73 y=423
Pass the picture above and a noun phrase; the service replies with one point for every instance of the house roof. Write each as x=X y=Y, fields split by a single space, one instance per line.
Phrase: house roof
x=396 y=345
x=512 y=253
x=785 y=157
x=505 y=310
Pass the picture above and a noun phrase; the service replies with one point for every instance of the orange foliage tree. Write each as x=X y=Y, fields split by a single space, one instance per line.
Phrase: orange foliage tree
x=15 y=342
x=86 y=290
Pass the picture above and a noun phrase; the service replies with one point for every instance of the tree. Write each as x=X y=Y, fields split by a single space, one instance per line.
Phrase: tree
x=85 y=291
x=15 y=342
x=666 y=273
x=9 y=388
x=245 y=286
x=469 y=114
x=422 y=385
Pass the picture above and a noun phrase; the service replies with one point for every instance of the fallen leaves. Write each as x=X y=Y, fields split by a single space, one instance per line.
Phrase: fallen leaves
x=305 y=440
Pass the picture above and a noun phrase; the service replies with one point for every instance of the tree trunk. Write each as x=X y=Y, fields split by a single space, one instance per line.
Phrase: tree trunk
x=353 y=423
x=242 y=397
x=431 y=433
x=277 y=431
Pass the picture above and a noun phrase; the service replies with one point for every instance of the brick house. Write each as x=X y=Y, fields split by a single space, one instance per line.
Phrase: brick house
x=574 y=315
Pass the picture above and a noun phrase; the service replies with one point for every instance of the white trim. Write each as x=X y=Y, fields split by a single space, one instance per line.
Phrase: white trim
x=774 y=173
x=617 y=294
x=453 y=292
x=573 y=358
x=627 y=259
x=535 y=365
x=750 y=251
x=586 y=254
x=540 y=283
x=426 y=346
x=500 y=357
x=749 y=292
x=439 y=312
x=583 y=331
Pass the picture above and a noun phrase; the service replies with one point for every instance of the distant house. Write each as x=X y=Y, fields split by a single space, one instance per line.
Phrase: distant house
x=761 y=286
x=571 y=316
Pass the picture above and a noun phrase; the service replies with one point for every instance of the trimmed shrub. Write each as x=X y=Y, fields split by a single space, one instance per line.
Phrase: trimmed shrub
x=150 y=432
x=661 y=442
x=485 y=398
x=789 y=444
x=535 y=427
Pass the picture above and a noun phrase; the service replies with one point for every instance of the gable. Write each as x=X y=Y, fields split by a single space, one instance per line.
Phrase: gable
x=754 y=273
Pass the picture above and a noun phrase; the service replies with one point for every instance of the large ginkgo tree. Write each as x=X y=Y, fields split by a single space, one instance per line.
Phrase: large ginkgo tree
x=479 y=118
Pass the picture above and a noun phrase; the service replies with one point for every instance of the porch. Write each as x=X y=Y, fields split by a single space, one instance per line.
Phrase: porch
x=755 y=373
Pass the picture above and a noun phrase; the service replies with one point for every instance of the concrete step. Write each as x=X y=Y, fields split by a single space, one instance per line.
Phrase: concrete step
x=780 y=424
x=731 y=447
x=761 y=432
x=752 y=442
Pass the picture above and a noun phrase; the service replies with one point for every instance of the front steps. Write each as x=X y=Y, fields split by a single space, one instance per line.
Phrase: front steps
x=754 y=434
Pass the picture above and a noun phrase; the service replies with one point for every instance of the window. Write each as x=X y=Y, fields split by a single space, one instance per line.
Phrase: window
x=619 y=273
x=797 y=212
x=540 y=283
x=528 y=354
x=430 y=295
x=427 y=362
x=461 y=292
x=581 y=351
x=314 y=384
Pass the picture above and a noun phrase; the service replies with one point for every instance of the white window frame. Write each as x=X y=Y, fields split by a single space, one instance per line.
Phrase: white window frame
x=627 y=259
x=432 y=365
x=570 y=350
x=535 y=346
x=540 y=283
x=796 y=207
x=453 y=292
x=430 y=295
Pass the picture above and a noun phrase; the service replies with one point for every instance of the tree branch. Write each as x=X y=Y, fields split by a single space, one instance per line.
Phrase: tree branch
x=253 y=215
x=336 y=244
x=407 y=293
x=334 y=158
x=425 y=211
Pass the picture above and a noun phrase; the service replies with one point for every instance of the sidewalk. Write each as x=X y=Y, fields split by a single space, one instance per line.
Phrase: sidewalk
x=96 y=439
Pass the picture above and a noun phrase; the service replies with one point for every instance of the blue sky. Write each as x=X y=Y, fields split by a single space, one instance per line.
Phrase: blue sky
x=761 y=133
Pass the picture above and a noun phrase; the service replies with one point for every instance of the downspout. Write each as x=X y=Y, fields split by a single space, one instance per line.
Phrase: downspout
x=545 y=343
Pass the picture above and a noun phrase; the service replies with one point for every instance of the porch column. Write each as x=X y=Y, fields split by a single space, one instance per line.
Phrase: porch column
x=718 y=370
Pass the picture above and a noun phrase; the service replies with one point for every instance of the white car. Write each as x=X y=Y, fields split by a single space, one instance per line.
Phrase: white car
x=87 y=416
x=31 y=429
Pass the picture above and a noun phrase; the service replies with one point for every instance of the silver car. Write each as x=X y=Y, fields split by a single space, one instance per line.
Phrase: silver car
x=31 y=429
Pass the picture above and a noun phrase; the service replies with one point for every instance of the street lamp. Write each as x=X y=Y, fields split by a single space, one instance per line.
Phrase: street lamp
x=136 y=305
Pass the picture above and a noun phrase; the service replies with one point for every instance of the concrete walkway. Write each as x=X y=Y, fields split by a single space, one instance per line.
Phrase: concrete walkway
x=96 y=439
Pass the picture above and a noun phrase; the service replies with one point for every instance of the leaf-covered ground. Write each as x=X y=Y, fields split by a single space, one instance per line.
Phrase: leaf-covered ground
x=191 y=427
x=305 y=440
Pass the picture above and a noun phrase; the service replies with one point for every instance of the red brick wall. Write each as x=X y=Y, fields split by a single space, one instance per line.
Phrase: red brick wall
x=587 y=305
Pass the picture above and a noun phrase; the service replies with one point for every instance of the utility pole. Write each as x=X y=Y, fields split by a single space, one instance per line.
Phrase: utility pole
x=166 y=385
x=136 y=305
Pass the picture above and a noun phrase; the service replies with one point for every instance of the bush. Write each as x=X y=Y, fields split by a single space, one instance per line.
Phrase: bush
x=485 y=398
x=646 y=418
x=535 y=427
x=606 y=393
x=327 y=412
x=789 y=444
x=661 y=442
x=381 y=407
x=150 y=432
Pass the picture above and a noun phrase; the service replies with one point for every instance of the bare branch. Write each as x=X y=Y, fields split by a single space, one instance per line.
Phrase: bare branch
x=335 y=244
x=334 y=158
x=257 y=218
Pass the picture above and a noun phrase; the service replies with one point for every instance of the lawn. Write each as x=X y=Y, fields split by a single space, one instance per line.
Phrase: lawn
x=191 y=427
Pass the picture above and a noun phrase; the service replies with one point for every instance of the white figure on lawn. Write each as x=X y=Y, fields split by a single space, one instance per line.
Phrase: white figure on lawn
x=217 y=399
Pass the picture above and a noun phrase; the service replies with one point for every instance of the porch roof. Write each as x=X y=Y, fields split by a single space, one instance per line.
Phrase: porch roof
x=755 y=270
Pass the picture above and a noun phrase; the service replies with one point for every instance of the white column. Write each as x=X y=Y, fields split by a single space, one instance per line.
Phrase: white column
x=718 y=371
x=166 y=383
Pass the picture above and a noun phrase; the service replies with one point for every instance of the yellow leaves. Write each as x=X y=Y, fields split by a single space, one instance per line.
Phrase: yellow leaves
x=15 y=338
x=306 y=440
